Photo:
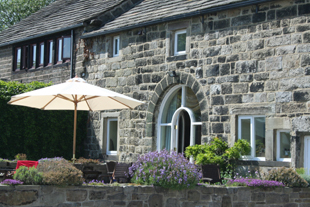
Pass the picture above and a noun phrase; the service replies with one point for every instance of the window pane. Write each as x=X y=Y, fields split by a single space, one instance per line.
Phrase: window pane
x=172 y=105
x=41 y=53
x=192 y=103
x=18 y=58
x=181 y=42
x=116 y=46
x=246 y=130
x=112 y=135
x=67 y=49
x=165 y=138
x=59 y=50
x=50 y=59
x=197 y=134
x=285 y=145
x=259 y=123
x=34 y=55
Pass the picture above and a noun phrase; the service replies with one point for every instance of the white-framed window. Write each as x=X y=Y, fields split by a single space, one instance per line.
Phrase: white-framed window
x=115 y=46
x=112 y=134
x=283 y=146
x=252 y=129
x=180 y=42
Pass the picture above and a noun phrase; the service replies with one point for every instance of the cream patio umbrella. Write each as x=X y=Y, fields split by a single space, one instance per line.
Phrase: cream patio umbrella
x=75 y=94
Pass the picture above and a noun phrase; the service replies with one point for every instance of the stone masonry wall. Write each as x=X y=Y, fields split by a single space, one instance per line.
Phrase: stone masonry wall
x=147 y=196
x=246 y=61
x=5 y=63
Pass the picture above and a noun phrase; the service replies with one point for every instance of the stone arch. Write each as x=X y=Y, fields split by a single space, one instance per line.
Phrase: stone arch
x=162 y=87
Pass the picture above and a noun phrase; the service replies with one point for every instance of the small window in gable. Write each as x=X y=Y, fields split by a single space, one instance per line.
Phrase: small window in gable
x=112 y=134
x=115 y=46
x=180 y=42
x=41 y=54
x=283 y=146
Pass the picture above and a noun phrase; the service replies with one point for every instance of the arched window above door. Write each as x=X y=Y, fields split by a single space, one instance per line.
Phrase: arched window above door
x=180 y=108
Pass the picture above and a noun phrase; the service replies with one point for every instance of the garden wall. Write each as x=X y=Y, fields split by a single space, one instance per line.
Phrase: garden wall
x=147 y=196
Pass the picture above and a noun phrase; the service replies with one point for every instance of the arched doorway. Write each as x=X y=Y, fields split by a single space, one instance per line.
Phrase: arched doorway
x=179 y=120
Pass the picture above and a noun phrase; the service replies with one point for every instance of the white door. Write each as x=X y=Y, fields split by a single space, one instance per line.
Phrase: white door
x=307 y=155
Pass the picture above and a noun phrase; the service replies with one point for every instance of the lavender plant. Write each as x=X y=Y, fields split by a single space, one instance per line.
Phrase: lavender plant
x=11 y=182
x=168 y=170
x=254 y=183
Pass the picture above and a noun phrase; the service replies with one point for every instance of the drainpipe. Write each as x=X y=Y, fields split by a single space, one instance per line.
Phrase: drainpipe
x=71 y=59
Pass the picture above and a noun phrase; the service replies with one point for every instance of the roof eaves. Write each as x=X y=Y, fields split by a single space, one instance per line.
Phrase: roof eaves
x=181 y=16
x=41 y=35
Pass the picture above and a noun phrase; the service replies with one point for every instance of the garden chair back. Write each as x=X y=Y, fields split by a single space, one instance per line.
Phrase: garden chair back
x=110 y=167
x=121 y=172
x=211 y=173
x=27 y=163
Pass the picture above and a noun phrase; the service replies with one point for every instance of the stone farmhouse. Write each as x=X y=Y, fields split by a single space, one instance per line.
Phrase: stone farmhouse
x=236 y=69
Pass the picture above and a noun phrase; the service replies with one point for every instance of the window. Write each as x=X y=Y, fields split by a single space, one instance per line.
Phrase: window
x=283 y=146
x=25 y=57
x=180 y=42
x=115 y=46
x=59 y=50
x=33 y=56
x=50 y=52
x=66 y=48
x=252 y=129
x=41 y=52
x=179 y=120
x=112 y=134
x=18 y=53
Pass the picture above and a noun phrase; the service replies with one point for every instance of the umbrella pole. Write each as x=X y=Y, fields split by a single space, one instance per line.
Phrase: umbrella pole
x=74 y=132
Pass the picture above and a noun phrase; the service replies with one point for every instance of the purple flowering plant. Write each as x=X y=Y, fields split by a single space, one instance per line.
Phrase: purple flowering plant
x=254 y=183
x=95 y=182
x=11 y=182
x=165 y=169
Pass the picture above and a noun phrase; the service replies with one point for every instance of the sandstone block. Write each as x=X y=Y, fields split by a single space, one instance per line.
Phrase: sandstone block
x=274 y=63
x=248 y=66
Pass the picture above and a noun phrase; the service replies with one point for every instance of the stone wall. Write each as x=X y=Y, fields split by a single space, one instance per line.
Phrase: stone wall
x=146 y=196
x=246 y=61
x=5 y=63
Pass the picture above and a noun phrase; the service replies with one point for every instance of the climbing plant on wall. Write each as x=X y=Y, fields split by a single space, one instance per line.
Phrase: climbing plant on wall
x=35 y=132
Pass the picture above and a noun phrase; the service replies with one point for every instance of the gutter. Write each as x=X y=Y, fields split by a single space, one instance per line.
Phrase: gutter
x=180 y=16
x=41 y=35
x=71 y=58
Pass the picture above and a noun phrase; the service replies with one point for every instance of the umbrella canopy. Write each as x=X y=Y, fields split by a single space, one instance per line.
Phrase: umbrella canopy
x=75 y=94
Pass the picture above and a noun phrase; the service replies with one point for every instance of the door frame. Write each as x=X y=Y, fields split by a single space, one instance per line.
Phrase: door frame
x=307 y=154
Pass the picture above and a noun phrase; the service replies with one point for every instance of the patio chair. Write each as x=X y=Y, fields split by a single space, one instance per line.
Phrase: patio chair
x=121 y=172
x=90 y=174
x=110 y=169
x=211 y=173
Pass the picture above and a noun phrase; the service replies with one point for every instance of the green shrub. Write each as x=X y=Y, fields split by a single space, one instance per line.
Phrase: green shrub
x=288 y=176
x=40 y=133
x=218 y=152
x=60 y=172
x=306 y=177
x=29 y=176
